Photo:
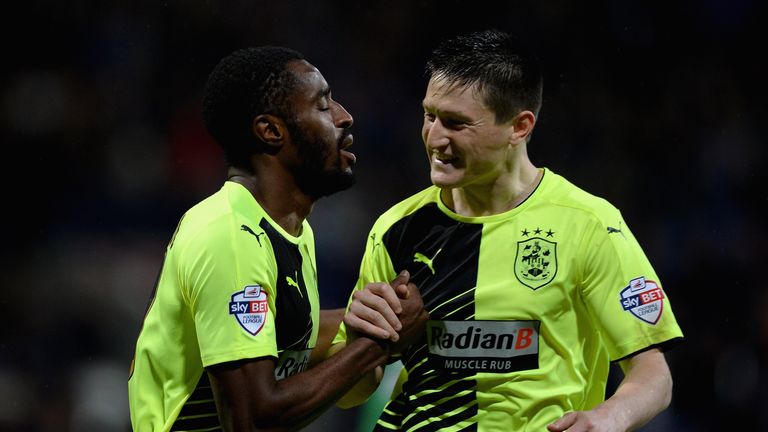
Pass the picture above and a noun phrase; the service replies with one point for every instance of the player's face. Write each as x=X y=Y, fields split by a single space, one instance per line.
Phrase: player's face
x=320 y=134
x=464 y=144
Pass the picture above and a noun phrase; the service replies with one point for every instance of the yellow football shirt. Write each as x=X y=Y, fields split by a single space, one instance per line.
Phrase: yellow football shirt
x=234 y=285
x=527 y=308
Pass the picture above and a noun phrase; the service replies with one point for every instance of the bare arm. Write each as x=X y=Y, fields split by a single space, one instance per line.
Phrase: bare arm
x=374 y=309
x=645 y=391
x=248 y=397
x=363 y=389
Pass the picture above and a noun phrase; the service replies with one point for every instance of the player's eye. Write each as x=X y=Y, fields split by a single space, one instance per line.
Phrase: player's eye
x=454 y=124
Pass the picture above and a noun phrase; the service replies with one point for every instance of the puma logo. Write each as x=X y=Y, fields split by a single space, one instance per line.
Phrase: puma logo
x=612 y=230
x=248 y=229
x=292 y=282
x=373 y=241
x=419 y=257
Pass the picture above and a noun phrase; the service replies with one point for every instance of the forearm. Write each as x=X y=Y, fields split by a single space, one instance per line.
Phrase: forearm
x=299 y=398
x=645 y=391
x=363 y=389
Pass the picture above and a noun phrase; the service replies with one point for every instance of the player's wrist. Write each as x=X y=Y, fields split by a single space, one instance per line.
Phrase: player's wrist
x=377 y=349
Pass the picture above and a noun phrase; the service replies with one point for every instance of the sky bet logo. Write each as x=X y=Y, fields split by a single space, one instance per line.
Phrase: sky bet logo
x=643 y=299
x=483 y=346
x=250 y=308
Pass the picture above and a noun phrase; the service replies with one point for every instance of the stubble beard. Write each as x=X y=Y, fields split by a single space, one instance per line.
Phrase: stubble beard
x=313 y=178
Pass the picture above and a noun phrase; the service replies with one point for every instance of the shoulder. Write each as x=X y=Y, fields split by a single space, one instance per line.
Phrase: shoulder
x=576 y=202
x=217 y=225
x=206 y=219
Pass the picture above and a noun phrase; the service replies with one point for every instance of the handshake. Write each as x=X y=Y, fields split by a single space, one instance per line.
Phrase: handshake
x=391 y=313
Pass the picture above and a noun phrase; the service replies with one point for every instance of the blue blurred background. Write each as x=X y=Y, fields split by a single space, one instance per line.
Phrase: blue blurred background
x=652 y=105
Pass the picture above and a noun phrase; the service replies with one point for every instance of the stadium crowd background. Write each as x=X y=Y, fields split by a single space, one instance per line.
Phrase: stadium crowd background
x=654 y=107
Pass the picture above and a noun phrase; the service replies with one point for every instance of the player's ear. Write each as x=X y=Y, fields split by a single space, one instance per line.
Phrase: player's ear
x=271 y=131
x=522 y=127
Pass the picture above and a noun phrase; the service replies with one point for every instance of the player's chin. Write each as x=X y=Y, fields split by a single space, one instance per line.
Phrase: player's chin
x=346 y=177
x=338 y=168
x=346 y=166
x=444 y=180
x=327 y=181
x=338 y=180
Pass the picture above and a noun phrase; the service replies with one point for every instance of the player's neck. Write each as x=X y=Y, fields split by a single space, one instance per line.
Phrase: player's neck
x=505 y=193
x=278 y=195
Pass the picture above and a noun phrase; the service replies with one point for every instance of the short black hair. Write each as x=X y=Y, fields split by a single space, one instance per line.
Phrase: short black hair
x=507 y=73
x=247 y=83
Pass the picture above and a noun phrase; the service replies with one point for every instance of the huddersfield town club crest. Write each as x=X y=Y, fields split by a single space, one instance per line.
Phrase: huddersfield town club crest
x=250 y=307
x=643 y=299
x=536 y=262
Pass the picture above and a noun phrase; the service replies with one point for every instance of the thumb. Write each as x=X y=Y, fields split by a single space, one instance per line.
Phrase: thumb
x=399 y=284
x=402 y=278
x=402 y=291
x=562 y=423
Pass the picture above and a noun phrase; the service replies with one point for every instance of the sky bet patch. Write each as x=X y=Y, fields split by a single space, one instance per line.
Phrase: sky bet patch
x=643 y=299
x=250 y=307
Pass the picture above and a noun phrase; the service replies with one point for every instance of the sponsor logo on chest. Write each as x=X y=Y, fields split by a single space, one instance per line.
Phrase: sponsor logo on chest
x=483 y=346
x=250 y=308
x=643 y=299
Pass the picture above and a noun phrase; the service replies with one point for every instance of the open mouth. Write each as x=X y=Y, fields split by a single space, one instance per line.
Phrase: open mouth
x=349 y=156
x=346 y=154
x=346 y=141
x=445 y=159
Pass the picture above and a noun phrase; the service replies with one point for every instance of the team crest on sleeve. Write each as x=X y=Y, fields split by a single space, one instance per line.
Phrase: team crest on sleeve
x=536 y=262
x=250 y=307
x=643 y=299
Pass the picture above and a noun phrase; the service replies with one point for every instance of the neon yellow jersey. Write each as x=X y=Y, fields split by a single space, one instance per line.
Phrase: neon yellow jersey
x=527 y=308
x=234 y=285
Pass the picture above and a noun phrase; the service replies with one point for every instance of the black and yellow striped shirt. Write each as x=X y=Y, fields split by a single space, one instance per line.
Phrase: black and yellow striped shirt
x=527 y=308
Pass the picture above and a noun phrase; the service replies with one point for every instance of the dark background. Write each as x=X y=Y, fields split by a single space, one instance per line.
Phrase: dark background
x=655 y=106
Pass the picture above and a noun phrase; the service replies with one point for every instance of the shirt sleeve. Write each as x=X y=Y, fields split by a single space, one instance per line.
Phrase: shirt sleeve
x=229 y=288
x=622 y=291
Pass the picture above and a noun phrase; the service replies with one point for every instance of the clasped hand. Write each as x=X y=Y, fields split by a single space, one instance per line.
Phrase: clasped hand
x=388 y=311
